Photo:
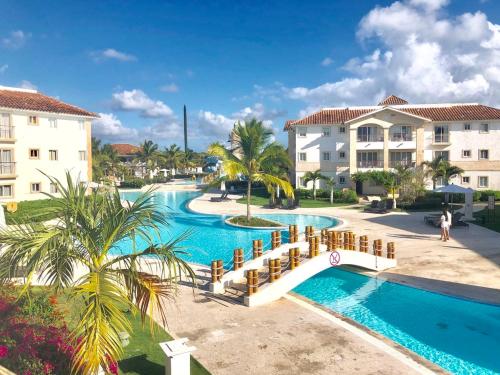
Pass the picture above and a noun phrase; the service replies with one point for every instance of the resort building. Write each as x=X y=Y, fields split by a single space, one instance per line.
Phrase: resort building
x=41 y=134
x=342 y=141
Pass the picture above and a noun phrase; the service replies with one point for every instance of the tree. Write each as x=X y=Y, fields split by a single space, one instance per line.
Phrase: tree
x=440 y=167
x=73 y=255
x=252 y=150
x=314 y=176
x=330 y=182
x=149 y=154
x=278 y=166
x=450 y=171
x=173 y=156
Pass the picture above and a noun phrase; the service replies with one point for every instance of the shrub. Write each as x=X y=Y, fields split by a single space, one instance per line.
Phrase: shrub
x=484 y=194
x=134 y=183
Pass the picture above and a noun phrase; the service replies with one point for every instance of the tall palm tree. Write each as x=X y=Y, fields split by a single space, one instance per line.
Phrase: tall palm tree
x=173 y=156
x=314 y=176
x=148 y=154
x=278 y=166
x=440 y=167
x=74 y=255
x=252 y=148
x=330 y=182
x=450 y=171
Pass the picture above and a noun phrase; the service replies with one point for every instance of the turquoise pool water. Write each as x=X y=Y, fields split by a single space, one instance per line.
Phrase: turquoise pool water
x=461 y=336
x=211 y=237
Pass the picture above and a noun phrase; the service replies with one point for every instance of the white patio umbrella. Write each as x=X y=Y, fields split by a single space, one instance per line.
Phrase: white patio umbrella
x=456 y=189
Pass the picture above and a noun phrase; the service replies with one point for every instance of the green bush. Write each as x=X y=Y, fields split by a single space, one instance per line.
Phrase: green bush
x=339 y=195
x=134 y=183
x=424 y=202
x=484 y=194
x=30 y=211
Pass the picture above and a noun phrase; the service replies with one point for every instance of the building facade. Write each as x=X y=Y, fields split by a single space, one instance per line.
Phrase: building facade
x=343 y=141
x=41 y=134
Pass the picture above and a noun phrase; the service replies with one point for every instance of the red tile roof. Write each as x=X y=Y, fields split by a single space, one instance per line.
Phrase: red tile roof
x=464 y=112
x=34 y=101
x=392 y=100
x=125 y=149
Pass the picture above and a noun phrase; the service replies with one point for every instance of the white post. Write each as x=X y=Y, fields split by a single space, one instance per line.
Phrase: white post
x=468 y=206
x=178 y=356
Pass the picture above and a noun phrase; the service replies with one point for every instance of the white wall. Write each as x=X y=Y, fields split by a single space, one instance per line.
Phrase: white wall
x=68 y=139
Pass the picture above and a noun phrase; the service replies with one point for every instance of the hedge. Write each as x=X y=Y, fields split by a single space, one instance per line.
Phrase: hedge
x=339 y=195
x=134 y=183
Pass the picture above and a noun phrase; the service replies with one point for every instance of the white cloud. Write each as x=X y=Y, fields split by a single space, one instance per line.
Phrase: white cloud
x=327 y=61
x=422 y=55
x=16 y=39
x=259 y=112
x=136 y=100
x=110 y=128
x=27 y=85
x=111 y=54
x=214 y=125
x=171 y=87
x=3 y=68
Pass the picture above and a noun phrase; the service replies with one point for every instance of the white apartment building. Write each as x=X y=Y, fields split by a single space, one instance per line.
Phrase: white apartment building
x=342 y=141
x=40 y=133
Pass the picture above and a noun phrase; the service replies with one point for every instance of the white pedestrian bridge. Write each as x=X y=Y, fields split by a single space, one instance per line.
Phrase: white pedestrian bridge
x=268 y=288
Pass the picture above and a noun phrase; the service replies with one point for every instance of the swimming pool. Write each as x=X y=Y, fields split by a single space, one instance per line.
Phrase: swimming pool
x=212 y=238
x=461 y=336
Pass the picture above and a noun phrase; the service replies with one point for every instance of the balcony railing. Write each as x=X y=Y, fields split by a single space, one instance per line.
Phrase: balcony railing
x=404 y=163
x=371 y=138
x=370 y=163
x=400 y=137
x=441 y=138
x=7 y=168
x=6 y=132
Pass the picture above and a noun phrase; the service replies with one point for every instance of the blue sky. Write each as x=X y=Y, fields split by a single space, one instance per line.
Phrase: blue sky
x=138 y=62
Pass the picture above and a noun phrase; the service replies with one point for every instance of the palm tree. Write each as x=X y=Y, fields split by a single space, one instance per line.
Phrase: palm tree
x=148 y=154
x=314 y=176
x=450 y=171
x=330 y=182
x=278 y=166
x=173 y=156
x=252 y=149
x=433 y=169
x=73 y=255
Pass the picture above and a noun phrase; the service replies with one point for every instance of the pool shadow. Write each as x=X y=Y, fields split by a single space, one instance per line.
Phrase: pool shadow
x=140 y=364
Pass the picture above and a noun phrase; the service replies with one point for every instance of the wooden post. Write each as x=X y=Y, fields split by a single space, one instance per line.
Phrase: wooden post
x=346 y=241
x=324 y=236
x=220 y=269
x=330 y=241
x=312 y=240
x=316 y=245
x=293 y=233
x=256 y=248
x=352 y=241
x=213 y=268
x=294 y=255
x=390 y=250
x=277 y=269
x=363 y=244
x=377 y=248
x=238 y=259
x=271 y=270
x=275 y=239
x=252 y=282
x=309 y=232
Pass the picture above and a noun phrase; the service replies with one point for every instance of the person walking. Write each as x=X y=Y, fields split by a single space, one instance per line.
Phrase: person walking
x=445 y=222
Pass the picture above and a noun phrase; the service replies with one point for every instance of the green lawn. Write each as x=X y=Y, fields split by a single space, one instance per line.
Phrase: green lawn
x=489 y=219
x=27 y=211
x=254 y=222
x=143 y=355
x=305 y=203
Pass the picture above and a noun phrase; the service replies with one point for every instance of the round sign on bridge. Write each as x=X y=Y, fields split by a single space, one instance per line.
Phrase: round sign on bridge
x=334 y=258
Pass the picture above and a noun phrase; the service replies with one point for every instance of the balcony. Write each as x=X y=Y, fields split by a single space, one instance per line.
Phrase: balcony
x=401 y=137
x=370 y=164
x=6 y=133
x=371 y=138
x=7 y=168
x=403 y=163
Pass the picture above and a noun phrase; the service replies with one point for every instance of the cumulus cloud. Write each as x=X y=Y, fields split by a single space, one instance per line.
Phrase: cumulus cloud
x=422 y=55
x=327 y=61
x=24 y=84
x=16 y=39
x=214 y=125
x=3 y=68
x=259 y=112
x=111 y=54
x=171 y=87
x=137 y=100
x=110 y=128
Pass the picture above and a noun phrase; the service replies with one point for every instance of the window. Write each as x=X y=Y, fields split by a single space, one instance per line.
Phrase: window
x=466 y=153
x=36 y=187
x=440 y=181
x=302 y=156
x=467 y=127
x=34 y=153
x=484 y=128
x=53 y=188
x=82 y=155
x=441 y=134
x=52 y=123
x=53 y=155
x=369 y=159
x=81 y=124
x=465 y=180
x=326 y=132
x=302 y=132
x=6 y=190
x=342 y=130
x=342 y=180
x=398 y=158
x=32 y=120
x=369 y=134
x=326 y=156
x=402 y=133
x=7 y=165
x=444 y=154
x=483 y=181
x=341 y=154
x=484 y=154
x=301 y=181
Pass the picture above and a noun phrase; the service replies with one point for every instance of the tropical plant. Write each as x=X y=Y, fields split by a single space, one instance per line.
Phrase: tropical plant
x=251 y=150
x=330 y=182
x=73 y=255
x=440 y=167
x=173 y=157
x=278 y=166
x=314 y=176
x=450 y=171
x=149 y=155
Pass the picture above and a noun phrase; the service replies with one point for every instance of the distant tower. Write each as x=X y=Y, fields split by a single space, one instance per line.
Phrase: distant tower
x=185 y=130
